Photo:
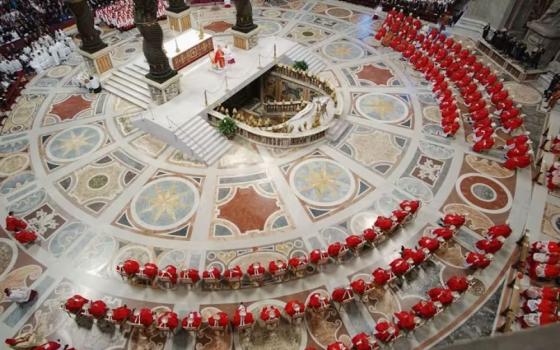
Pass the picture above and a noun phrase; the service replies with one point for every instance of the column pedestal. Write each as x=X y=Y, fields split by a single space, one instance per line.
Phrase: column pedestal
x=549 y=39
x=165 y=91
x=98 y=62
x=245 y=41
x=179 y=22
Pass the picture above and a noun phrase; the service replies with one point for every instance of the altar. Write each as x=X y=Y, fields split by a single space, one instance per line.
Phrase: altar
x=187 y=47
x=182 y=121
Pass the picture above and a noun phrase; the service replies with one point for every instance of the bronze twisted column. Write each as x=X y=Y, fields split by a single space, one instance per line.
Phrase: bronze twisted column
x=145 y=18
x=177 y=6
x=91 y=41
x=243 y=16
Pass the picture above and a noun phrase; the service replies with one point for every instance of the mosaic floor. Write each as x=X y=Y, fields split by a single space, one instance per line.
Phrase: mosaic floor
x=99 y=191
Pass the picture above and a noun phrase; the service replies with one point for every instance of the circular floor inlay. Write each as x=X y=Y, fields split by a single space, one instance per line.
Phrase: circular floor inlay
x=15 y=182
x=432 y=113
x=555 y=221
x=418 y=189
x=271 y=13
x=484 y=193
x=268 y=27
x=8 y=256
x=339 y=12
x=13 y=164
x=59 y=71
x=344 y=51
x=322 y=182
x=75 y=143
x=98 y=181
x=14 y=146
x=382 y=107
x=522 y=93
x=165 y=203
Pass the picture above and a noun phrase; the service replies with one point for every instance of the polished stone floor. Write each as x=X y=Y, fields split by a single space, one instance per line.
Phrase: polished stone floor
x=99 y=191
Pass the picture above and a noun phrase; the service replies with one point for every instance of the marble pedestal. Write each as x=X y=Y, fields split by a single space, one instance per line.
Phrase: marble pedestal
x=179 y=22
x=162 y=93
x=245 y=41
x=98 y=62
x=549 y=39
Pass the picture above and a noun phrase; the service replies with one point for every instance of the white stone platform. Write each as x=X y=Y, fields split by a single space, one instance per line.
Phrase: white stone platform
x=172 y=122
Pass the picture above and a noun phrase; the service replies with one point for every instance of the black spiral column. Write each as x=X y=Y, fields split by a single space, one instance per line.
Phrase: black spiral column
x=145 y=18
x=91 y=41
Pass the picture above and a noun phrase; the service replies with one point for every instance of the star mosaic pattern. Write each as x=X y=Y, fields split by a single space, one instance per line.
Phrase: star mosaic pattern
x=99 y=191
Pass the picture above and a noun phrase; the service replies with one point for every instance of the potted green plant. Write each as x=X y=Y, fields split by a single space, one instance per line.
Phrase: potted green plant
x=227 y=127
x=301 y=65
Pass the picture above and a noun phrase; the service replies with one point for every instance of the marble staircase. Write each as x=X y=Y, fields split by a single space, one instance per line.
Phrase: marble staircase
x=127 y=83
x=338 y=129
x=205 y=142
x=468 y=27
x=299 y=53
x=544 y=80
x=195 y=137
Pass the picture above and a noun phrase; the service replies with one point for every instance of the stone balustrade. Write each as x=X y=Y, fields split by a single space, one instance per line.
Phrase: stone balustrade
x=270 y=138
x=283 y=106
x=307 y=78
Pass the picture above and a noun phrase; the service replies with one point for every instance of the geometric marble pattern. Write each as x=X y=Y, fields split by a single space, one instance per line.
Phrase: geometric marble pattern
x=248 y=206
x=361 y=140
x=323 y=186
x=371 y=74
x=551 y=221
x=164 y=205
x=74 y=143
x=96 y=184
x=23 y=113
x=99 y=191
x=307 y=35
x=382 y=108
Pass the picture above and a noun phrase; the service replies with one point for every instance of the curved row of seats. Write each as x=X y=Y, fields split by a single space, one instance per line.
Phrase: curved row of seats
x=439 y=298
x=294 y=310
x=444 y=62
x=278 y=270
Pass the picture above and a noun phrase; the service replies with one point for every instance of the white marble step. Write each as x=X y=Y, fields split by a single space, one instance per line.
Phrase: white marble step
x=132 y=99
x=190 y=125
x=132 y=73
x=545 y=79
x=299 y=53
x=128 y=89
x=137 y=69
x=205 y=136
x=135 y=79
x=315 y=65
x=468 y=27
x=141 y=66
x=218 y=151
x=204 y=140
x=294 y=51
x=338 y=128
x=119 y=81
x=208 y=152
